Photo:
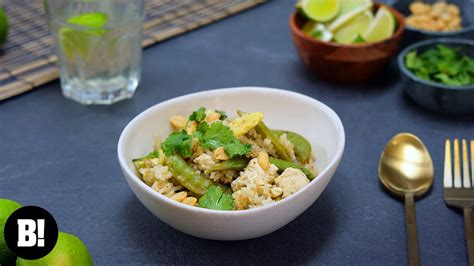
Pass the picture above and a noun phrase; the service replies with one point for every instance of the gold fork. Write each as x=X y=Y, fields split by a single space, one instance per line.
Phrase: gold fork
x=459 y=191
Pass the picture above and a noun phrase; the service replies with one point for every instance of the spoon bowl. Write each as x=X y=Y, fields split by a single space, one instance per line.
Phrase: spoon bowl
x=406 y=166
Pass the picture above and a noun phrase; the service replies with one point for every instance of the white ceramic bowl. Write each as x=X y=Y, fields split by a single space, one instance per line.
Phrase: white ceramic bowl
x=283 y=110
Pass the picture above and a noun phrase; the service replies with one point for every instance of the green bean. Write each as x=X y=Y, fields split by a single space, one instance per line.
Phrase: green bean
x=231 y=164
x=187 y=176
x=302 y=146
x=282 y=165
x=266 y=132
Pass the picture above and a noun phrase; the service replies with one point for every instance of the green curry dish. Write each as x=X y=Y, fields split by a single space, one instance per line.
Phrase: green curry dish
x=217 y=199
x=442 y=64
x=178 y=143
x=219 y=135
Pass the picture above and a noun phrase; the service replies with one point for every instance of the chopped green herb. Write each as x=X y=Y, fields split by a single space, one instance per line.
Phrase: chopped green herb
x=199 y=115
x=217 y=199
x=219 y=135
x=178 y=142
x=359 y=39
x=222 y=114
x=153 y=154
x=442 y=64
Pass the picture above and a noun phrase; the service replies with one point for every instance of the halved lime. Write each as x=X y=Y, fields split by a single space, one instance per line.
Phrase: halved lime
x=3 y=27
x=358 y=25
x=69 y=250
x=7 y=207
x=321 y=10
x=382 y=27
x=349 y=9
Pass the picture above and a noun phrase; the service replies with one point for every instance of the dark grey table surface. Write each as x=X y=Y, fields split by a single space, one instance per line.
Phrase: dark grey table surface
x=61 y=155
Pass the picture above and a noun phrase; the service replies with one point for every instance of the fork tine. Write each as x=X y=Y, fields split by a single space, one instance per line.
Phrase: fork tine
x=465 y=166
x=472 y=160
x=448 y=170
x=457 y=165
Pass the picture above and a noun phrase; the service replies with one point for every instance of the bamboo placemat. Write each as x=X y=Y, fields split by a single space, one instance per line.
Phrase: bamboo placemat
x=28 y=60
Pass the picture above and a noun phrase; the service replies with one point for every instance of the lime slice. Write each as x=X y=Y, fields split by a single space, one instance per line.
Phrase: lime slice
x=382 y=26
x=317 y=31
x=90 y=20
x=3 y=27
x=321 y=10
x=349 y=9
x=79 y=41
x=352 y=29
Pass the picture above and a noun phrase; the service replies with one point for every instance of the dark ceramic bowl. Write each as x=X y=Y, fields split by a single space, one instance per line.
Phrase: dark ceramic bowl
x=413 y=35
x=436 y=96
x=345 y=63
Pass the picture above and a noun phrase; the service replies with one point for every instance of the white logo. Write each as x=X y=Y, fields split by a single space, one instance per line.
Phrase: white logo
x=30 y=233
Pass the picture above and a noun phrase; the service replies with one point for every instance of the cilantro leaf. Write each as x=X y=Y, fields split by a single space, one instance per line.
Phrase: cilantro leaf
x=198 y=115
x=215 y=198
x=219 y=135
x=237 y=148
x=222 y=114
x=178 y=142
x=442 y=64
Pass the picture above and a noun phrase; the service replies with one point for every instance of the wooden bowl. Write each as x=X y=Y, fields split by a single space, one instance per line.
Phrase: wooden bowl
x=345 y=63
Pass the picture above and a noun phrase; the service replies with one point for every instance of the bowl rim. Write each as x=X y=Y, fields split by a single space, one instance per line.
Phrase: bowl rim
x=130 y=175
x=440 y=34
x=408 y=73
x=400 y=20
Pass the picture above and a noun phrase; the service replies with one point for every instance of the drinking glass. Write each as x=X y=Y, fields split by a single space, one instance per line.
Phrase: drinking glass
x=99 y=47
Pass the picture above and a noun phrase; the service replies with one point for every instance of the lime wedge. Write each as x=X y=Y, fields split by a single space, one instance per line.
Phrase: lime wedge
x=90 y=20
x=79 y=41
x=349 y=9
x=317 y=31
x=321 y=10
x=352 y=29
x=3 y=27
x=382 y=27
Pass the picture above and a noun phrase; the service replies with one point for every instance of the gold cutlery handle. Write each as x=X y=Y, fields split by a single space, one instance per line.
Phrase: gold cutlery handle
x=469 y=231
x=412 y=234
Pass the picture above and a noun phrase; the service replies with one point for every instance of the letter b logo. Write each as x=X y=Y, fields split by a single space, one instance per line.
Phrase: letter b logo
x=31 y=232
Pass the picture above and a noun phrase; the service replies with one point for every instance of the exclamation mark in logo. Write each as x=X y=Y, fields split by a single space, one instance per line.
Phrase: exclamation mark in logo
x=40 y=235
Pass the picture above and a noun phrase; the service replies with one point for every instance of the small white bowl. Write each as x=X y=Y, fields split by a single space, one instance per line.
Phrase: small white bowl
x=283 y=110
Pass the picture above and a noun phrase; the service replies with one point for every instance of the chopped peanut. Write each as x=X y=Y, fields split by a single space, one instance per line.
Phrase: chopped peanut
x=439 y=16
x=180 y=196
x=212 y=117
x=220 y=154
x=178 y=122
x=190 y=201
x=192 y=126
x=263 y=160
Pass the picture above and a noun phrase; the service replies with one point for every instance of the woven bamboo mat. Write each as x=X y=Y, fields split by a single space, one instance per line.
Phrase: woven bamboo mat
x=27 y=60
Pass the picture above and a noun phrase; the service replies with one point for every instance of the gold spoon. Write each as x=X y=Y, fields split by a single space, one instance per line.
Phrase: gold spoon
x=406 y=169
